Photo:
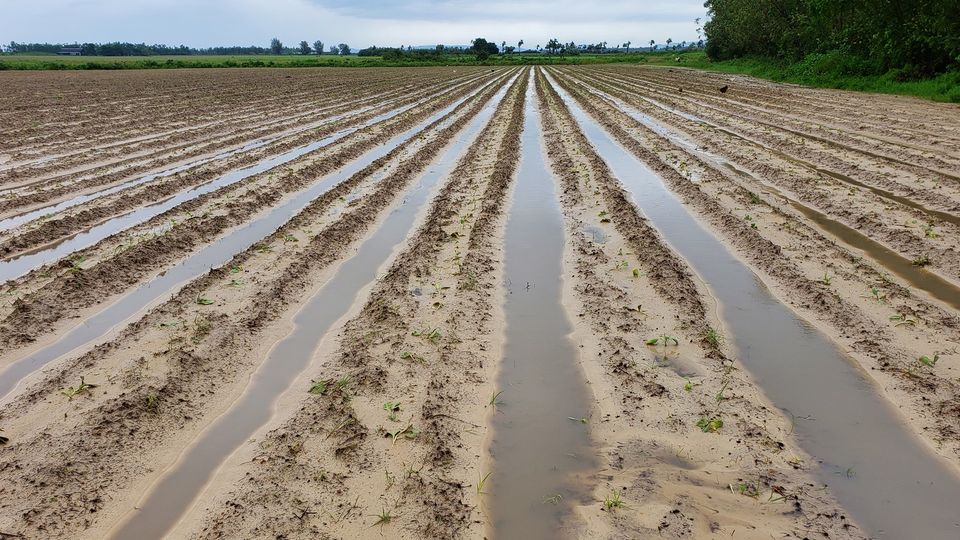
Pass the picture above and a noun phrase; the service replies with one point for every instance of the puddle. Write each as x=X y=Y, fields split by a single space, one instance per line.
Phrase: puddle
x=177 y=489
x=886 y=479
x=537 y=452
x=215 y=254
x=18 y=266
x=597 y=235
x=936 y=286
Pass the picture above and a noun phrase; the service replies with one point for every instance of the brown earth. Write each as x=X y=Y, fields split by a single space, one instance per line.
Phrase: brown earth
x=428 y=332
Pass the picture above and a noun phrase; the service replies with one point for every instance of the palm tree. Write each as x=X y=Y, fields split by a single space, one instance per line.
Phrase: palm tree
x=519 y=45
x=653 y=45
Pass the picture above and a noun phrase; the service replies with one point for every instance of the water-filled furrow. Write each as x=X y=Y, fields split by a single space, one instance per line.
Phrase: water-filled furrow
x=212 y=255
x=541 y=460
x=940 y=215
x=822 y=140
x=312 y=108
x=929 y=282
x=358 y=109
x=178 y=488
x=22 y=264
x=883 y=475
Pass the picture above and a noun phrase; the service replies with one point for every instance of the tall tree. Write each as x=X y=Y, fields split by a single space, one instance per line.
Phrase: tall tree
x=276 y=46
x=318 y=47
x=344 y=49
x=304 y=47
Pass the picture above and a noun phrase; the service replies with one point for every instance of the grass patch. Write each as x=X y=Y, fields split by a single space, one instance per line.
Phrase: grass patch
x=826 y=70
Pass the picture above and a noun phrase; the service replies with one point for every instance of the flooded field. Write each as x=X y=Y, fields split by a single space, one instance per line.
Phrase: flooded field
x=552 y=302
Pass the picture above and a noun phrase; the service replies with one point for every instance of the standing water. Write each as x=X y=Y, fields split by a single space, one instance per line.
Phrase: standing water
x=888 y=481
x=541 y=458
x=185 y=481
x=215 y=254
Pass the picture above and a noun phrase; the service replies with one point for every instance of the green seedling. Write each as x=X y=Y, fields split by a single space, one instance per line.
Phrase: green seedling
x=902 y=319
x=204 y=301
x=235 y=283
x=393 y=409
x=748 y=490
x=290 y=238
x=622 y=265
x=921 y=261
x=613 y=501
x=712 y=337
x=754 y=198
x=711 y=425
x=636 y=272
x=929 y=232
x=495 y=399
x=407 y=432
x=689 y=385
x=877 y=295
x=663 y=340
x=481 y=482
x=433 y=336
x=826 y=279
x=553 y=499
x=930 y=362
x=342 y=384
x=78 y=389
x=153 y=403
x=383 y=518
x=407 y=355
x=720 y=397
x=391 y=406
x=236 y=269
x=582 y=419
x=319 y=388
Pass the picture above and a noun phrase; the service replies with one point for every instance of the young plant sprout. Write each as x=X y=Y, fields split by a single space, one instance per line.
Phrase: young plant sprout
x=613 y=501
x=78 y=389
x=930 y=362
x=481 y=482
x=663 y=340
x=709 y=425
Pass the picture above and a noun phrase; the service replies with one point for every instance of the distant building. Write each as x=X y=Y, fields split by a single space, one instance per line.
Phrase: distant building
x=70 y=51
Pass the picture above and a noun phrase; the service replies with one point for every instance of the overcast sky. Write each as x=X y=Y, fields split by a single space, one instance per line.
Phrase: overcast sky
x=201 y=23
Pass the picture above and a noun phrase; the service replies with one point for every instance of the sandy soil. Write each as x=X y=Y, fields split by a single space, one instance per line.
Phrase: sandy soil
x=384 y=432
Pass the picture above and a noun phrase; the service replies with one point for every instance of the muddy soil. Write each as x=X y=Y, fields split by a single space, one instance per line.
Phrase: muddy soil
x=845 y=205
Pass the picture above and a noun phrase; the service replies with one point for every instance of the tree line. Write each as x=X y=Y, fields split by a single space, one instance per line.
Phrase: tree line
x=118 y=48
x=480 y=47
x=918 y=38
